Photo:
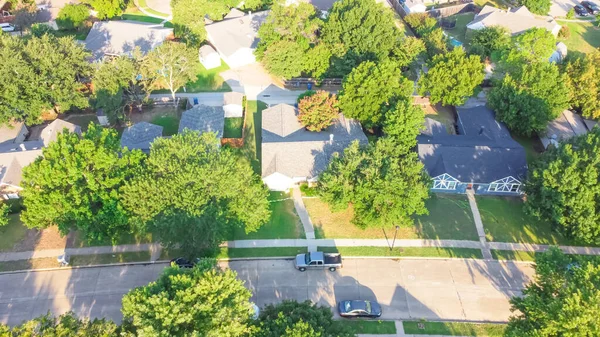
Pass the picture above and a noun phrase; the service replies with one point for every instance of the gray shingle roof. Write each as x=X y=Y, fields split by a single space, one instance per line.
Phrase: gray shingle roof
x=471 y=156
x=230 y=35
x=516 y=20
x=140 y=136
x=233 y=98
x=203 y=118
x=288 y=148
x=51 y=131
x=207 y=50
x=9 y=132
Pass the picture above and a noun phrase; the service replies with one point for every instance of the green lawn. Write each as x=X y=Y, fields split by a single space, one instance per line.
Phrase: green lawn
x=83 y=120
x=233 y=127
x=252 y=134
x=495 y=3
x=449 y=218
x=505 y=220
x=466 y=253
x=585 y=37
x=77 y=34
x=283 y=224
x=141 y=17
x=144 y=5
x=125 y=239
x=12 y=233
x=75 y=261
x=454 y=329
x=260 y=252
x=513 y=255
x=531 y=145
x=206 y=81
x=372 y=327
x=170 y=124
x=460 y=30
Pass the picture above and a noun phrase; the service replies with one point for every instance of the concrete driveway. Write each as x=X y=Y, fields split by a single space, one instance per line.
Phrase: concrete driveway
x=433 y=289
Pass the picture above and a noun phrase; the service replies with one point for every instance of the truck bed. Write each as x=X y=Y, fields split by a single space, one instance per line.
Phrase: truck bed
x=334 y=258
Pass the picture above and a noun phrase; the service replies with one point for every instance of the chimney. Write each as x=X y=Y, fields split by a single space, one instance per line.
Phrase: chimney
x=331 y=138
x=482 y=130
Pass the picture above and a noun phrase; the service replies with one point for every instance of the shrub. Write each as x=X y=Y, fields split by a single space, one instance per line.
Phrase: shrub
x=421 y=23
x=318 y=111
x=571 y=13
x=72 y=16
x=564 y=32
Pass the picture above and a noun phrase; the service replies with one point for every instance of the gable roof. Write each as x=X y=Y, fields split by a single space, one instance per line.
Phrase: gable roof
x=121 y=37
x=16 y=156
x=516 y=20
x=230 y=35
x=290 y=149
x=474 y=155
x=57 y=126
x=140 y=136
x=567 y=125
x=8 y=133
x=207 y=50
x=203 y=118
x=233 y=97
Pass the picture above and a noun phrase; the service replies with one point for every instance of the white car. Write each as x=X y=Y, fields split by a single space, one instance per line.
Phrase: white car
x=7 y=27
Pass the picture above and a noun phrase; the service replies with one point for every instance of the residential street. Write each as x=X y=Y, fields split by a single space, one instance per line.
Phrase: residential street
x=433 y=289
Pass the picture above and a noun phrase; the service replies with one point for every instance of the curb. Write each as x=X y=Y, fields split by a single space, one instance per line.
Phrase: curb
x=83 y=267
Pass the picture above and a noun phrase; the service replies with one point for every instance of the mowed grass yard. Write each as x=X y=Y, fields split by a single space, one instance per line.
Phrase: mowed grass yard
x=12 y=233
x=585 y=37
x=207 y=80
x=233 y=127
x=505 y=220
x=283 y=224
x=459 y=32
x=449 y=218
x=454 y=329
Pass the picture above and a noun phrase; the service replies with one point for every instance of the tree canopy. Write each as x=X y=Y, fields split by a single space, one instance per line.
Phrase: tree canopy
x=564 y=299
x=452 y=77
x=403 y=123
x=169 y=66
x=76 y=185
x=188 y=21
x=489 y=40
x=371 y=89
x=108 y=9
x=202 y=301
x=535 y=45
x=540 y=7
x=583 y=81
x=294 y=319
x=64 y=325
x=563 y=187
x=384 y=182
x=529 y=97
x=318 y=111
x=44 y=74
x=3 y=214
x=72 y=16
x=217 y=193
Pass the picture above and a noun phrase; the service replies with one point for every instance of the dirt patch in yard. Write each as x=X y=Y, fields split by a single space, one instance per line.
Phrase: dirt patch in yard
x=48 y=238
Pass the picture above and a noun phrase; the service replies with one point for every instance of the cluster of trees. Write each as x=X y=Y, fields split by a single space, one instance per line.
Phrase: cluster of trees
x=583 y=82
x=50 y=74
x=428 y=29
x=188 y=16
x=90 y=183
x=74 y=16
x=203 y=301
x=296 y=41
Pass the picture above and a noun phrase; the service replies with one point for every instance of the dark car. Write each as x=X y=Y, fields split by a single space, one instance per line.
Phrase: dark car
x=591 y=7
x=359 y=308
x=183 y=262
x=580 y=10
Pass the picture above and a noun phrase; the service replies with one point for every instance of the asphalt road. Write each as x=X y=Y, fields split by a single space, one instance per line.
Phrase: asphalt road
x=432 y=289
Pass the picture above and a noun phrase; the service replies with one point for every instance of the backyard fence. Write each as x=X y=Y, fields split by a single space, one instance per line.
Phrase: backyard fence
x=452 y=10
x=310 y=83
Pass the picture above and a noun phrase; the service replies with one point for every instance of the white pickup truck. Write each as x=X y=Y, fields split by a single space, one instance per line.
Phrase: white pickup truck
x=318 y=260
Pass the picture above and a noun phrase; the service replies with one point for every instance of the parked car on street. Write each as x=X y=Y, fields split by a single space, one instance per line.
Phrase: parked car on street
x=580 y=10
x=182 y=262
x=591 y=7
x=318 y=260
x=359 y=308
x=7 y=27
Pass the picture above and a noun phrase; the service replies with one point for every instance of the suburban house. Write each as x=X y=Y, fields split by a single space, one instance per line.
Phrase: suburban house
x=140 y=135
x=413 y=6
x=235 y=38
x=516 y=20
x=233 y=104
x=209 y=58
x=203 y=118
x=17 y=152
x=567 y=125
x=482 y=156
x=115 y=38
x=291 y=154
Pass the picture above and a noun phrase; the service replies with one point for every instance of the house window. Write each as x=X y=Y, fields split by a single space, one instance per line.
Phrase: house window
x=508 y=184
x=444 y=182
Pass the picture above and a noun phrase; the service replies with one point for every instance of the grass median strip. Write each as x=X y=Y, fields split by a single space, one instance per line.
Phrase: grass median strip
x=75 y=261
x=454 y=329
x=224 y=253
x=405 y=251
x=513 y=255
x=372 y=327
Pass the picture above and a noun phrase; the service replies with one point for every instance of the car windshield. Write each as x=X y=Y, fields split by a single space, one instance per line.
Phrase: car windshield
x=348 y=306
x=306 y=259
x=368 y=304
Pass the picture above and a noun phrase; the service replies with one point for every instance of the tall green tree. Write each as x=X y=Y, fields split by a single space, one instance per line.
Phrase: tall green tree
x=202 y=301
x=188 y=21
x=408 y=51
x=284 y=59
x=318 y=111
x=535 y=45
x=371 y=89
x=489 y=40
x=403 y=123
x=72 y=16
x=583 y=81
x=540 y=7
x=76 y=185
x=217 y=193
x=108 y=9
x=563 y=188
x=384 y=182
x=45 y=74
x=564 y=299
x=169 y=66
x=529 y=97
x=65 y=325
x=4 y=214
x=452 y=77
x=294 y=319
